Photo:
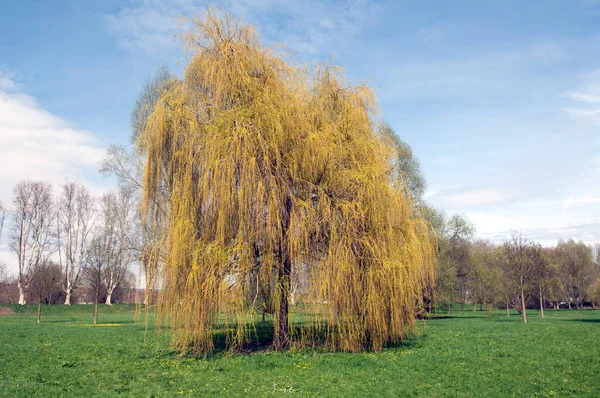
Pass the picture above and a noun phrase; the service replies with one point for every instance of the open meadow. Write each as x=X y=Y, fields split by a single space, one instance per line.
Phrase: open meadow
x=464 y=354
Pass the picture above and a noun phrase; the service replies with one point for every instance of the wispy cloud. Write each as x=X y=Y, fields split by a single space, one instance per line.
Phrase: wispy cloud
x=470 y=197
x=308 y=26
x=548 y=52
x=585 y=99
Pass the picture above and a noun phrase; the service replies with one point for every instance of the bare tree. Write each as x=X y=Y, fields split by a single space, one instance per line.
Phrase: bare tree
x=95 y=258
x=75 y=220
x=127 y=166
x=6 y=280
x=31 y=238
x=126 y=163
x=521 y=257
x=116 y=234
x=44 y=284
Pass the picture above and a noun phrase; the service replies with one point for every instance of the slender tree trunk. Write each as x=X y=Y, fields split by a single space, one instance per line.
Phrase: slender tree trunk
x=507 y=307
x=474 y=306
x=569 y=303
x=96 y=306
x=39 y=314
x=481 y=306
x=96 y=311
x=10 y=301
x=523 y=304
x=541 y=302
x=21 y=293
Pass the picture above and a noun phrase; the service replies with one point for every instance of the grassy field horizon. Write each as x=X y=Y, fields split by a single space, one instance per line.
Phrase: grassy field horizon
x=483 y=353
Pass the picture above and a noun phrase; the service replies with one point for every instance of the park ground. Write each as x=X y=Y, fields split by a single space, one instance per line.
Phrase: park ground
x=466 y=354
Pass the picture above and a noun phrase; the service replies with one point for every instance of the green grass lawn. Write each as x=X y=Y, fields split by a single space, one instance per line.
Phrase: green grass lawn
x=469 y=354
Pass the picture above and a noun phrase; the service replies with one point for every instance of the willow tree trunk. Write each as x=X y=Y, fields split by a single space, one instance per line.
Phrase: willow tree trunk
x=281 y=331
x=541 y=302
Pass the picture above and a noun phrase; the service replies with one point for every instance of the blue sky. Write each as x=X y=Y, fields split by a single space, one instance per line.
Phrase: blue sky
x=499 y=100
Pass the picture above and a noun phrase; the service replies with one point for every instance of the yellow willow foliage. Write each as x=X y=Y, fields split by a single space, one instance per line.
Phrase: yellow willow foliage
x=270 y=167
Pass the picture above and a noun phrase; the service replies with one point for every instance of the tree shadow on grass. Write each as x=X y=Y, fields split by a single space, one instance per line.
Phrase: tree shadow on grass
x=305 y=337
x=441 y=317
x=584 y=320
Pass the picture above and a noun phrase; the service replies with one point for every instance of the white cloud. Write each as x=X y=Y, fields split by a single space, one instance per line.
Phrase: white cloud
x=35 y=144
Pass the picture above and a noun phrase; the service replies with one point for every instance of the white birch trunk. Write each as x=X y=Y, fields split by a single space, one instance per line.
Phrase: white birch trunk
x=21 y=293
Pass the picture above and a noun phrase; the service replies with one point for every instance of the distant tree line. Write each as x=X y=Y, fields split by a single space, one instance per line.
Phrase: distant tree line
x=517 y=274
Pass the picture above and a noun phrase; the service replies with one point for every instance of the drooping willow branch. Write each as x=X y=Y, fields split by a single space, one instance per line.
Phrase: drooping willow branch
x=276 y=174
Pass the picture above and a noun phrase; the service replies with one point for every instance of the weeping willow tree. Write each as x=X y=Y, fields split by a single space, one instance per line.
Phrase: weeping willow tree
x=270 y=167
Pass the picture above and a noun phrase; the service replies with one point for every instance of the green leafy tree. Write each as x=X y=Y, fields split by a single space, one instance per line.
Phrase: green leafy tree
x=406 y=166
x=576 y=270
x=485 y=282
